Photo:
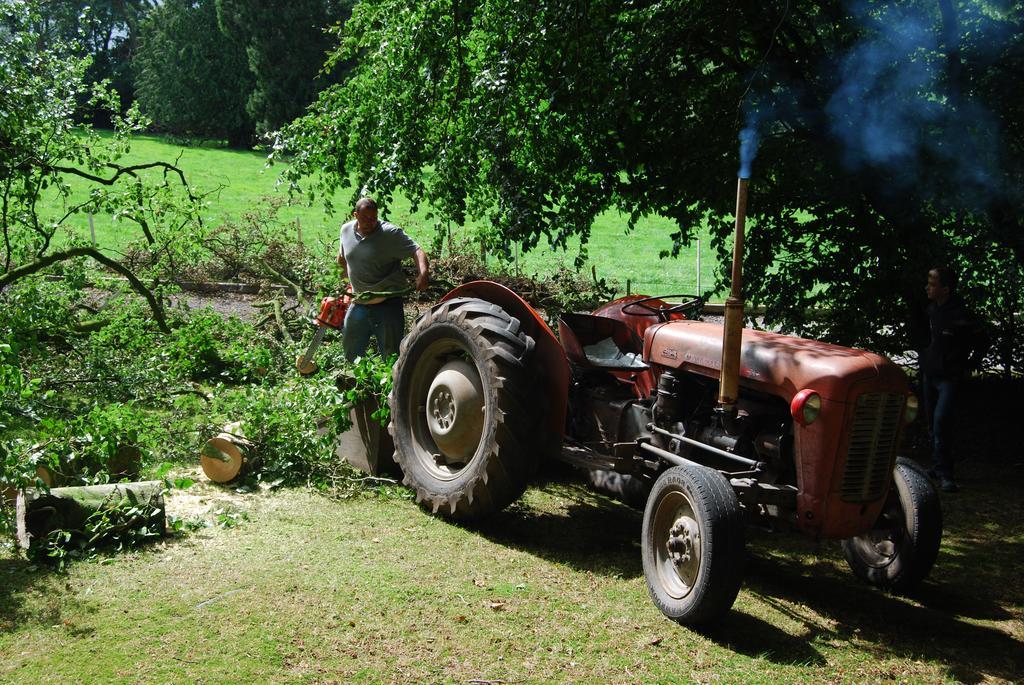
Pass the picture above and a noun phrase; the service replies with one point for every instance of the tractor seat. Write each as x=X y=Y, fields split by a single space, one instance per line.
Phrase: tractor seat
x=600 y=342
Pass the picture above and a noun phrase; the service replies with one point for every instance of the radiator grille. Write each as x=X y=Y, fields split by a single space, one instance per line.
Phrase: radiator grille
x=871 y=452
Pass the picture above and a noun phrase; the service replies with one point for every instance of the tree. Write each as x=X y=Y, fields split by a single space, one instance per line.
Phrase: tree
x=106 y=32
x=286 y=43
x=190 y=78
x=889 y=136
x=41 y=148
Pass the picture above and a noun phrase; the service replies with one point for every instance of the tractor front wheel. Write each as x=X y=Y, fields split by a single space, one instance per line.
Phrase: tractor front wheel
x=692 y=544
x=462 y=416
x=898 y=553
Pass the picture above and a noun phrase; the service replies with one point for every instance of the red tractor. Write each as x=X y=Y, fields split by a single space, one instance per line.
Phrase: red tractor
x=807 y=435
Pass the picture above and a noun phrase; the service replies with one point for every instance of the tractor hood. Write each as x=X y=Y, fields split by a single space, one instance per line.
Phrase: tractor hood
x=777 y=364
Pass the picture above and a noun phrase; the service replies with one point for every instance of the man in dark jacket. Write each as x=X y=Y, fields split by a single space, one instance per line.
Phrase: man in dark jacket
x=957 y=344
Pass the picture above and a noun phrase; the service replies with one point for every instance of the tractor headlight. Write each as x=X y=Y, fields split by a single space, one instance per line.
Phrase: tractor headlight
x=910 y=411
x=805 y=406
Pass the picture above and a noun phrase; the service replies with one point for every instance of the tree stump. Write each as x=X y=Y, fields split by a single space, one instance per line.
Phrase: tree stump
x=227 y=456
x=39 y=513
x=126 y=463
x=366 y=445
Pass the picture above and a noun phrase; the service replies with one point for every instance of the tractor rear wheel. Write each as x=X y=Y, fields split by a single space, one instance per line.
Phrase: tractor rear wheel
x=464 y=421
x=692 y=544
x=898 y=553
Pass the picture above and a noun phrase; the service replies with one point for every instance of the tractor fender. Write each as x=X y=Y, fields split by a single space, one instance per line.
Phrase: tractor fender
x=553 y=379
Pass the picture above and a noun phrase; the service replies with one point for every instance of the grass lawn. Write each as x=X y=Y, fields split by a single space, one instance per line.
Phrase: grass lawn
x=243 y=178
x=307 y=590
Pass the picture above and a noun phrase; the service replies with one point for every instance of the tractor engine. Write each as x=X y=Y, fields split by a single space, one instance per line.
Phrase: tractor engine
x=761 y=429
x=812 y=435
x=607 y=416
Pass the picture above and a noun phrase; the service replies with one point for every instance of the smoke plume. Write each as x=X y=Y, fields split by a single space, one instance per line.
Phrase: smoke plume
x=898 y=106
x=748 y=145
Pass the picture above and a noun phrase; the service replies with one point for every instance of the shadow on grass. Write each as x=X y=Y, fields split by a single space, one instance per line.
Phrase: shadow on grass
x=978 y=581
x=18 y=577
x=756 y=638
x=885 y=624
x=589 y=533
x=977 y=576
x=32 y=594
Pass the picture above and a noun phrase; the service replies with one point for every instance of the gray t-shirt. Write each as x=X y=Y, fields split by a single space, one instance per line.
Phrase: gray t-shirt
x=375 y=262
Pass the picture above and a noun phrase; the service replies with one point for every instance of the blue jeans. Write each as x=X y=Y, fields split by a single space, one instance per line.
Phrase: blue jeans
x=940 y=395
x=385 y=321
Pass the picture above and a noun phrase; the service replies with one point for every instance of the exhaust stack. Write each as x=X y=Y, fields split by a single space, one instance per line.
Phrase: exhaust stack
x=729 y=379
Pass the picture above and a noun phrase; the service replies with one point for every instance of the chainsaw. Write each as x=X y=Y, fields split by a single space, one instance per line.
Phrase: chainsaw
x=331 y=315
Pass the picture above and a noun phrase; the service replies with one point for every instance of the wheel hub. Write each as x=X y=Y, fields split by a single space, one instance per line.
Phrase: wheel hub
x=677 y=536
x=682 y=541
x=443 y=410
x=880 y=546
x=454 y=411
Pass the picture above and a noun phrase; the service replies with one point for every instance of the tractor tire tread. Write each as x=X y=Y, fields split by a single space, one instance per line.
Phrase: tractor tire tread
x=500 y=471
x=721 y=574
x=915 y=560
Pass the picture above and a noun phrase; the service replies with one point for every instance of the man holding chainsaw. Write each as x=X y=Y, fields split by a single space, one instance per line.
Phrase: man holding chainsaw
x=371 y=254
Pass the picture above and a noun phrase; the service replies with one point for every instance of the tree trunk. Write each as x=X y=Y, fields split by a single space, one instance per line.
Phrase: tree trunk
x=39 y=513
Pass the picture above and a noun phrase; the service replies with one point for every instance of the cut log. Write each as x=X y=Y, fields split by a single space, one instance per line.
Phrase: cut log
x=39 y=513
x=227 y=456
x=124 y=465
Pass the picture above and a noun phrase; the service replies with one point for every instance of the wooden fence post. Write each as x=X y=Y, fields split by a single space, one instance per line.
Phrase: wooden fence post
x=698 y=267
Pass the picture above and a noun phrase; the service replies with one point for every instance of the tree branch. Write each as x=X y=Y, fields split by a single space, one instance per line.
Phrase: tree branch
x=118 y=171
x=279 y=317
x=55 y=257
x=300 y=292
x=951 y=45
x=8 y=250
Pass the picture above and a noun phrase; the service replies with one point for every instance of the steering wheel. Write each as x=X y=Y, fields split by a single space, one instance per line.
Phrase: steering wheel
x=642 y=307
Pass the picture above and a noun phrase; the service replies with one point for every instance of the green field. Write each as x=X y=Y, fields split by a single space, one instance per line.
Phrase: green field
x=240 y=179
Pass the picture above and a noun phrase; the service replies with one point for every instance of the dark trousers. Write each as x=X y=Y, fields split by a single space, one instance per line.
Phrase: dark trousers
x=940 y=398
x=385 y=321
